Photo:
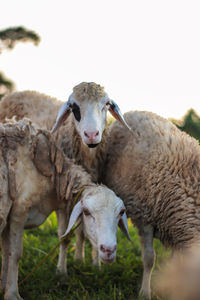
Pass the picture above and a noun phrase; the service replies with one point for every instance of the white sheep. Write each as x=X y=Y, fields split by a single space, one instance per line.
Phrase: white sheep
x=40 y=179
x=157 y=174
x=83 y=136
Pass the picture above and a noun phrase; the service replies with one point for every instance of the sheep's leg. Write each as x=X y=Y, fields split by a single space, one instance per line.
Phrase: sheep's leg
x=5 y=200
x=17 y=221
x=80 y=248
x=5 y=257
x=62 y=226
x=148 y=256
x=95 y=258
x=80 y=244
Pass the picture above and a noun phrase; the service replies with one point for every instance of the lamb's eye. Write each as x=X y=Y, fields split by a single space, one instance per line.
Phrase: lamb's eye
x=122 y=212
x=86 y=212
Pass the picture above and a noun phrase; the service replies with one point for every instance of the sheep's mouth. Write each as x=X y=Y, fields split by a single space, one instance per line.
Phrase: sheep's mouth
x=107 y=261
x=92 y=145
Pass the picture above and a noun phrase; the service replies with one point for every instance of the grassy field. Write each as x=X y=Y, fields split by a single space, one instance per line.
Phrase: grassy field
x=121 y=280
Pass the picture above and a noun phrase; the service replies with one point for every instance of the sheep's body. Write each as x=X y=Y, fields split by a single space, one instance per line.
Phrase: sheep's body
x=39 y=108
x=40 y=179
x=178 y=278
x=43 y=110
x=157 y=175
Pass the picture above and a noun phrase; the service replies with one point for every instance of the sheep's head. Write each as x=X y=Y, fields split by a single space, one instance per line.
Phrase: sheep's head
x=102 y=212
x=89 y=104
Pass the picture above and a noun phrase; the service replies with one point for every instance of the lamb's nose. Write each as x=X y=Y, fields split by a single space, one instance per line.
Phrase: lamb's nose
x=108 y=250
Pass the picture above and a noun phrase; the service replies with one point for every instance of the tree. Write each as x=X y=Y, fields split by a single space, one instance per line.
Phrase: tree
x=6 y=85
x=10 y=36
x=8 y=39
x=190 y=124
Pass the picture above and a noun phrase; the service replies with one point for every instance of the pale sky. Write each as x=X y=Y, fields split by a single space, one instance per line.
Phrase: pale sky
x=146 y=53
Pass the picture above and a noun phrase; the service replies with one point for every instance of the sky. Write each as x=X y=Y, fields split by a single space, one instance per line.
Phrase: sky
x=146 y=53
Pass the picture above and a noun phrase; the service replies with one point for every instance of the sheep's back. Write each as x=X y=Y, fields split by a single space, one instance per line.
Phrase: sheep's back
x=40 y=108
x=157 y=175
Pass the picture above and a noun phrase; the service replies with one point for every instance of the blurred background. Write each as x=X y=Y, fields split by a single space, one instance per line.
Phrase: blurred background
x=145 y=53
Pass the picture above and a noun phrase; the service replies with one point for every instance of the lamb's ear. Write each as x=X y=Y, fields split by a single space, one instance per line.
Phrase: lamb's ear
x=123 y=225
x=116 y=112
x=76 y=212
x=63 y=114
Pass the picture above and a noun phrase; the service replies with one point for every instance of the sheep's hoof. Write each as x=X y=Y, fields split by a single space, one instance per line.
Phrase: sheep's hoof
x=61 y=271
x=15 y=296
x=144 y=295
x=97 y=264
x=79 y=258
x=2 y=286
x=61 y=276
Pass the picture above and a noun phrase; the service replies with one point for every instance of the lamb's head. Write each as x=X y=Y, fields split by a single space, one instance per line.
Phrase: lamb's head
x=102 y=211
x=89 y=104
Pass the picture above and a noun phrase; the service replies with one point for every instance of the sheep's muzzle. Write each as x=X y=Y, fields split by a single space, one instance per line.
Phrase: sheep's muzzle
x=92 y=145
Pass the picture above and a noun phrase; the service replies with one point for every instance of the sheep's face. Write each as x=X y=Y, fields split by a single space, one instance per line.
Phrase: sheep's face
x=89 y=104
x=101 y=215
x=102 y=212
x=90 y=120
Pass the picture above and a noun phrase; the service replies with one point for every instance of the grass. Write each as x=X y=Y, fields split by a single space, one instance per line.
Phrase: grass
x=118 y=281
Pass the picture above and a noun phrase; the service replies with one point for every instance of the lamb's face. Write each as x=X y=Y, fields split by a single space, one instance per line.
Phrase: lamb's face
x=102 y=212
x=89 y=105
x=101 y=215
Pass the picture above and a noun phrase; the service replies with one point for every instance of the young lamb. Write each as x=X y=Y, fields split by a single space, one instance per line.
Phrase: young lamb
x=37 y=178
x=157 y=175
x=83 y=131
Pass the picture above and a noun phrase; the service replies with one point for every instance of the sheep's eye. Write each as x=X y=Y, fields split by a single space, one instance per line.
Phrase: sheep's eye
x=106 y=105
x=122 y=212
x=76 y=112
x=86 y=212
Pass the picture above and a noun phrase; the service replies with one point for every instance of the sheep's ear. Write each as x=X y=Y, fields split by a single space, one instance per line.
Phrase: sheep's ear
x=63 y=114
x=123 y=225
x=76 y=212
x=116 y=113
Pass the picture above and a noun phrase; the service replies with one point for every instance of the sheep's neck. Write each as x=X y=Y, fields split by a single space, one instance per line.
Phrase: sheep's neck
x=90 y=158
x=69 y=178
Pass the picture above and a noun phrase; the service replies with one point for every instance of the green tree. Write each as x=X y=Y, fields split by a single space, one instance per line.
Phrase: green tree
x=6 y=85
x=8 y=39
x=11 y=36
x=190 y=124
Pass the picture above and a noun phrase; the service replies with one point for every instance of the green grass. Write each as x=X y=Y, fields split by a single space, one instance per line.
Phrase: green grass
x=121 y=280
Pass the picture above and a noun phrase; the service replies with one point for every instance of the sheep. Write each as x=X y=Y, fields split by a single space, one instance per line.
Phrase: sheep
x=37 y=179
x=83 y=131
x=178 y=278
x=157 y=174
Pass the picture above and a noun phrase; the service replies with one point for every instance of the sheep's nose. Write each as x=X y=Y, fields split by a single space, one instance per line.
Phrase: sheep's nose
x=108 y=250
x=91 y=135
